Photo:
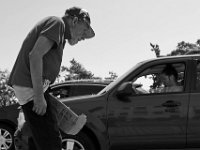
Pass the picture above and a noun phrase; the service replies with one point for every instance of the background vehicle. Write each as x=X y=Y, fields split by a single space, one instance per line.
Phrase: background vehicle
x=8 y=124
x=77 y=88
x=134 y=113
x=9 y=114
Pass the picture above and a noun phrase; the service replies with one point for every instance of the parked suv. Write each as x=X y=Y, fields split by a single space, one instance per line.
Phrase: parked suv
x=9 y=114
x=135 y=112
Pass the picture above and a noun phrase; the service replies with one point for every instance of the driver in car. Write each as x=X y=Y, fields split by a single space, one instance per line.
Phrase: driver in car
x=169 y=78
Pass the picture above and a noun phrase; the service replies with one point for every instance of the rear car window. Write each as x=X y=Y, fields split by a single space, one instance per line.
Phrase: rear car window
x=87 y=89
x=64 y=91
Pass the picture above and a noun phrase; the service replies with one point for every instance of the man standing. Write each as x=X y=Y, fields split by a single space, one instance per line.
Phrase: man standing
x=38 y=65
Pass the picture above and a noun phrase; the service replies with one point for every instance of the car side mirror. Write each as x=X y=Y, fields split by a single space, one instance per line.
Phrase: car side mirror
x=125 y=89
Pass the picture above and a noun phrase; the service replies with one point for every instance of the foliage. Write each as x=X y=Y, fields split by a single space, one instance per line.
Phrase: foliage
x=7 y=96
x=75 y=72
x=112 y=76
x=156 y=49
x=182 y=48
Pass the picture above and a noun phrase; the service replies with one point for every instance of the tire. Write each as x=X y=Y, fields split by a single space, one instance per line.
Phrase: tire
x=81 y=141
x=6 y=137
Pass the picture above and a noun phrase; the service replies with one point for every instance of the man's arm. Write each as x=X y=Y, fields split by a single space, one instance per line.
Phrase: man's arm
x=41 y=47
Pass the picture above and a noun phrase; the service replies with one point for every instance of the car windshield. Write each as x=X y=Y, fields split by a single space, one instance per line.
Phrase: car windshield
x=113 y=84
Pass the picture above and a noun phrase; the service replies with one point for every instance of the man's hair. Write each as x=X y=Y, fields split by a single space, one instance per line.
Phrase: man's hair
x=170 y=70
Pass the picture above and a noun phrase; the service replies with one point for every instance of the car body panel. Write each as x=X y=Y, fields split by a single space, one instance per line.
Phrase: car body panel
x=94 y=107
x=193 y=130
x=143 y=122
x=9 y=114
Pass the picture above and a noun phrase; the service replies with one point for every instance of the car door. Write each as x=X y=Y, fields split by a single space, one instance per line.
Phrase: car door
x=149 y=119
x=193 y=131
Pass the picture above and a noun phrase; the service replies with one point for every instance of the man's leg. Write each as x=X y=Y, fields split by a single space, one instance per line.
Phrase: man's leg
x=31 y=144
x=45 y=131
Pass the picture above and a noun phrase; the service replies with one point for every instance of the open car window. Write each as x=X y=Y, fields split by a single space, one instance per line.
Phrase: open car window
x=151 y=80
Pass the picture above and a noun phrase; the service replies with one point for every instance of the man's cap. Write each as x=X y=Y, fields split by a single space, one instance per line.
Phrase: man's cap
x=81 y=14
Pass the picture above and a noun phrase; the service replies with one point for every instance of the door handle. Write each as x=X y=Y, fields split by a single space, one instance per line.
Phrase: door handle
x=171 y=103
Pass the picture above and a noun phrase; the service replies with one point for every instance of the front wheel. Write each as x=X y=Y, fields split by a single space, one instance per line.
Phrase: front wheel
x=6 y=137
x=81 y=141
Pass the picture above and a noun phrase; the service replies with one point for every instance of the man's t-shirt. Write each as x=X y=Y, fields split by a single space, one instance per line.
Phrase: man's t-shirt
x=26 y=94
x=53 y=28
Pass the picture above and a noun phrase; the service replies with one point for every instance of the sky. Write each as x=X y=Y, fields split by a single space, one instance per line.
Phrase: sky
x=124 y=30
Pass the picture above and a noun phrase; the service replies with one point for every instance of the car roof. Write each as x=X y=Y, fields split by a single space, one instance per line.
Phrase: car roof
x=193 y=56
x=176 y=57
x=83 y=82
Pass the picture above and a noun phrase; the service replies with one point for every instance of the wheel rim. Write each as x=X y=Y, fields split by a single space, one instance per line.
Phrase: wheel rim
x=71 y=144
x=5 y=139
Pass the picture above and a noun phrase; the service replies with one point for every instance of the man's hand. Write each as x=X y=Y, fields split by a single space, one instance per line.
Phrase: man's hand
x=40 y=106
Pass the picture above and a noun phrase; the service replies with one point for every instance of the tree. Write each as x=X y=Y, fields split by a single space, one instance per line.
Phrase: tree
x=75 y=72
x=156 y=49
x=7 y=96
x=198 y=42
x=182 y=48
x=112 y=76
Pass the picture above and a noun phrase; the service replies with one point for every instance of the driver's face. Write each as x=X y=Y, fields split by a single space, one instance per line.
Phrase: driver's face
x=165 y=79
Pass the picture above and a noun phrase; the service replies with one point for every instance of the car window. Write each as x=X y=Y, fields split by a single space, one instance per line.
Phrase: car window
x=87 y=89
x=165 y=78
x=65 y=91
x=62 y=91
